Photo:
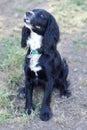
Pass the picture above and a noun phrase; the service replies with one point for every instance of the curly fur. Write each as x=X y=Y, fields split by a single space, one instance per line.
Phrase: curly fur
x=53 y=70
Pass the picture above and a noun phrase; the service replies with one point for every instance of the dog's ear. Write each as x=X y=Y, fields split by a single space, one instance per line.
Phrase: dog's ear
x=51 y=36
x=25 y=35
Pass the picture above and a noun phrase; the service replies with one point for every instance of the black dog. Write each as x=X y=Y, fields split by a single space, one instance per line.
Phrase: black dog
x=43 y=63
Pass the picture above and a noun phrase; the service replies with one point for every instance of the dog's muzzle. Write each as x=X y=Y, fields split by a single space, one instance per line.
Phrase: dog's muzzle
x=28 y=16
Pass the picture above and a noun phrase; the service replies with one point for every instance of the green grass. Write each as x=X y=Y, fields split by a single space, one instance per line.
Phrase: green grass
x=5 y=105
x=79 y=2
x=12 y=58
x=4 y=101
x=19 y=8
x=80 y=42
x=11 y=63
x=69 y=15
x=12 y=55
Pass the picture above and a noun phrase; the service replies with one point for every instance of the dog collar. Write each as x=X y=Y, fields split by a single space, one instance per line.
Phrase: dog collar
x=34 y=52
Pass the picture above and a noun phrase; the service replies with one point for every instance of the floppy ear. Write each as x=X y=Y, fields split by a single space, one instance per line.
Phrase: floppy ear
x=51 y=36
x=25 y=35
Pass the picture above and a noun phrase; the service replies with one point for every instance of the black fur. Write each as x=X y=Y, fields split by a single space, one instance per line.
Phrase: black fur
x=54 y=69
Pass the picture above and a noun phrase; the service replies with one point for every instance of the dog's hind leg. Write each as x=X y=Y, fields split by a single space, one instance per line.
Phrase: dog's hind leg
x=65 y=84
x=62 y=82
x=64 y=91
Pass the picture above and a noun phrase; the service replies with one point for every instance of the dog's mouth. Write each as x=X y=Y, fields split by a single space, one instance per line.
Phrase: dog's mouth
x=37 y=26
x=29 y=24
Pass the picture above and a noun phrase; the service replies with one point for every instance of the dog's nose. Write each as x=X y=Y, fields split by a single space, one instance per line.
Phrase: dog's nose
x=29 y=14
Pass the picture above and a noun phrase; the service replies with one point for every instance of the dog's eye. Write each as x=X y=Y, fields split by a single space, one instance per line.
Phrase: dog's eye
x=41 y=15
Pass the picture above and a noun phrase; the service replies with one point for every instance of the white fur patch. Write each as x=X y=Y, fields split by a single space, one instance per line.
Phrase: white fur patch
x=34 y=42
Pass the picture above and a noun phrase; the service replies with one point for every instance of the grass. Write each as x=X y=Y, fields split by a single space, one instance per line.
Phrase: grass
x=11 y=62
x=5 y=105
x=19 y=8
x=3 y=97
x=12 y=57
x=79 y=2
x=80 y=42
x=70 y=15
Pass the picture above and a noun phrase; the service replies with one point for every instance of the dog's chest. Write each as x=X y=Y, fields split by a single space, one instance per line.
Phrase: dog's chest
x=34 y=42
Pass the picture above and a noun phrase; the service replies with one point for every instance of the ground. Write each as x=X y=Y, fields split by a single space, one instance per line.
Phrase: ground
x=68 y=114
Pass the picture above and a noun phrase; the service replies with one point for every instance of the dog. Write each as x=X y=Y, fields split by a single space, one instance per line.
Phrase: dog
x=43 y=64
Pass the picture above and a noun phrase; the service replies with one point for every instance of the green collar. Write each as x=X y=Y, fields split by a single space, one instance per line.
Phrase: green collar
x=34 y=52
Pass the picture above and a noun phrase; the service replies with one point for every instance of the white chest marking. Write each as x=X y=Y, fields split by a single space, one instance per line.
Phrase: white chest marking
x=34 y=42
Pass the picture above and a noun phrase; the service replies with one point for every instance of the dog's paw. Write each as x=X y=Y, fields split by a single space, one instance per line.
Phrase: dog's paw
x=65 y=93
x=29 y=110
x=45 y=114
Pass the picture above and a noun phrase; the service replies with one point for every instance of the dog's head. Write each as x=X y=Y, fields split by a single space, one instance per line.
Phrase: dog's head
x=36 y=20
x=43 y=23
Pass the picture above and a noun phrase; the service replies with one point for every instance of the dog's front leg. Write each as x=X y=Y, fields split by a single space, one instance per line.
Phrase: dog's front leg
x=28 y=93
x=46 y=113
